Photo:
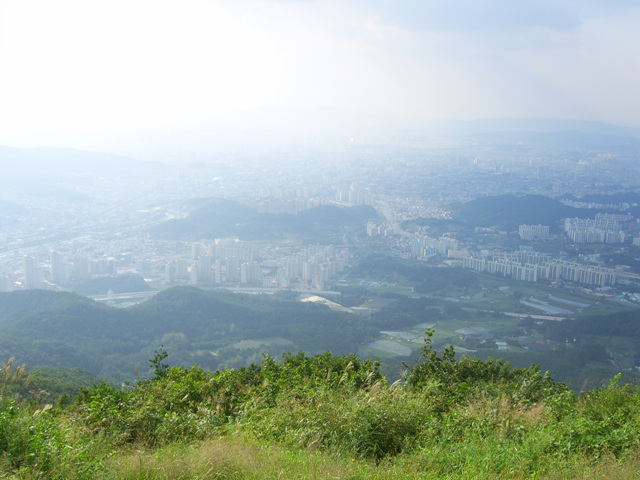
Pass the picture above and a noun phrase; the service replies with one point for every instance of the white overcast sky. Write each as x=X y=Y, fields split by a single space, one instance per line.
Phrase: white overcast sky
x=92 y=65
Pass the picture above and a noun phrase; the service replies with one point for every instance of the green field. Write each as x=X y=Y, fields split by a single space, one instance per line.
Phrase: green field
x=546 y=331
x=262 y=342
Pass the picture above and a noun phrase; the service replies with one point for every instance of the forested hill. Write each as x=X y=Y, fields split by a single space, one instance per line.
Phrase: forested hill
x=216 y=218
x=21 y=304
x=195 y=326
x=509 y=211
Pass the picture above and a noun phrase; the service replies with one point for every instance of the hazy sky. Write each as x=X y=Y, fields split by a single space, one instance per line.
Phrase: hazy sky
x=91 y=65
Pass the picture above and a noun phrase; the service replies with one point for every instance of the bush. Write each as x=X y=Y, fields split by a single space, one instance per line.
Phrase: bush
x=455 y=379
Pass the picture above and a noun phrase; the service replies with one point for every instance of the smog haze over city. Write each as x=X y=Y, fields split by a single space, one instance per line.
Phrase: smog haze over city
x=75 y=72
x=481 y=157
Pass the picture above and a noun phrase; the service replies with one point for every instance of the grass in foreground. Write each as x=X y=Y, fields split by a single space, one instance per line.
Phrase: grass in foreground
x=329 y=417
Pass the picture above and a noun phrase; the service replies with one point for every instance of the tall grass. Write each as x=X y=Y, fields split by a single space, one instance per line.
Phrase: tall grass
x=11 y=375
x=329 y=417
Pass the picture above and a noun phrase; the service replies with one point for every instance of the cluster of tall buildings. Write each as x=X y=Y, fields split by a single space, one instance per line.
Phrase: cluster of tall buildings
x=314 y=266
x=354 y=195
x=379 y=229
x=604 y=228
x=61 y=270
x=531 y=266
x=527 y=265
x=289 y=197
x=33 y=274
x=6 y=278
x=222 y=261
x=533 y=232
x=286 y=205
x=64 y=269
x=424 y=246
x=239 y=263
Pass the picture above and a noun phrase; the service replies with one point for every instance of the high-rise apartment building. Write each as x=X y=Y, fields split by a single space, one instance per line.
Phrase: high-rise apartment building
x=32 y=273
x=59 y=268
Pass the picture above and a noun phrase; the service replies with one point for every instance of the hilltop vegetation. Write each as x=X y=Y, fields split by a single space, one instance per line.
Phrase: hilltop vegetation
x=222 y=218
x=42 y=384
x=311 y=417
x=507 y=212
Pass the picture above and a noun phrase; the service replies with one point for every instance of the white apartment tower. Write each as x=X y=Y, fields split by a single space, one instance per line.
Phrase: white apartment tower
x=32 y=273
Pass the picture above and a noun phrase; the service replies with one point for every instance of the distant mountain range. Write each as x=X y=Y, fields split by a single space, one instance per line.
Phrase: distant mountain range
x=268 y=130
x=48 y=160
x=59 y=173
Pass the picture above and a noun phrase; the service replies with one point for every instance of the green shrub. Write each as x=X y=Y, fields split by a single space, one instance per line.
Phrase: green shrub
x=460 y=417
x=29 y=440
x=456 y=379
x=605 y=421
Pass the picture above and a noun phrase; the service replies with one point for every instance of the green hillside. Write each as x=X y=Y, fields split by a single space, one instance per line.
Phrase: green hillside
x=197 y=326
x=17 y=305
x=304 y=415
x=326 y=416
x=219 y=218
x=509 y=211
x=219 y=329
